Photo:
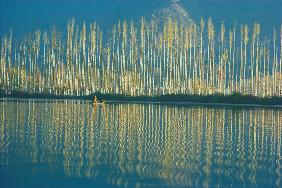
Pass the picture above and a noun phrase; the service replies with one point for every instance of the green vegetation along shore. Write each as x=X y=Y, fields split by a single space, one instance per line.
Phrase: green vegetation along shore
x=235 y=98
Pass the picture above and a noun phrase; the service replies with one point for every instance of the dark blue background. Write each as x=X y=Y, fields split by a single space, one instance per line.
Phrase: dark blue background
x=24 y=16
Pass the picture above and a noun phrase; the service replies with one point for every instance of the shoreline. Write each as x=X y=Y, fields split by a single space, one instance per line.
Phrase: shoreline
x=184 y=104
x=234 y=100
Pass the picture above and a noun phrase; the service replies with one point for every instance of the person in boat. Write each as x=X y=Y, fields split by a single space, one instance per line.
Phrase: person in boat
x=95 y=101
x=102 y=102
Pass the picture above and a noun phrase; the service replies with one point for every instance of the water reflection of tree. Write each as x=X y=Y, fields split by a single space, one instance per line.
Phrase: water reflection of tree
x=172 y=145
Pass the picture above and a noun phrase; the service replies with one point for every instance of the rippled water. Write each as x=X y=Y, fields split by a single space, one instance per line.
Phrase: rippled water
x=70 y=144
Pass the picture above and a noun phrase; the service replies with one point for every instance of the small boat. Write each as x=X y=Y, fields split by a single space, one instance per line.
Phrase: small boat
x=97 y=102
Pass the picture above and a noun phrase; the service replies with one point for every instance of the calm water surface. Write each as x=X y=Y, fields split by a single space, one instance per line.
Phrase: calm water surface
x=70 y=144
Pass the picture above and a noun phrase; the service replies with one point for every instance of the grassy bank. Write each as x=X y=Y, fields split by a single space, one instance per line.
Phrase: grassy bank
x=217 y=98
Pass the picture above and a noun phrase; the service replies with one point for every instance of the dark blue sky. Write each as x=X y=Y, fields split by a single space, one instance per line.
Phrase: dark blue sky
x=24 y=16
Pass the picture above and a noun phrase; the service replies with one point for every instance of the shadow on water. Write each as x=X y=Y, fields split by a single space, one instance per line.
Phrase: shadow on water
x=70 y=144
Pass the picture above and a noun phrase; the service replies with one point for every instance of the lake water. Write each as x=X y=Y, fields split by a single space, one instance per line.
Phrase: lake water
x=69 y=143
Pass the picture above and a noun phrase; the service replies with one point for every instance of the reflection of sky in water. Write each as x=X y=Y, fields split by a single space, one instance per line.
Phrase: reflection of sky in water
x=70 y=143
x=26 y=16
